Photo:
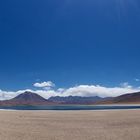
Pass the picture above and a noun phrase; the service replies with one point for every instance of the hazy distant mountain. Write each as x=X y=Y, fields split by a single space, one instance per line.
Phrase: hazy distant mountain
x=75 y=99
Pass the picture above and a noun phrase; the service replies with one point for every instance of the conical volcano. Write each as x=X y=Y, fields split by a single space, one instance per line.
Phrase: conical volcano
x=27 y=98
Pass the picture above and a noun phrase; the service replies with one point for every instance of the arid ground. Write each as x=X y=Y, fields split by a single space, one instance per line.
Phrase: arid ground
x=70 y=125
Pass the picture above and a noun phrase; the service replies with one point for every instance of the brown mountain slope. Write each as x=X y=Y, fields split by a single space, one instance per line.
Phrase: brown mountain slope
x=133 y=98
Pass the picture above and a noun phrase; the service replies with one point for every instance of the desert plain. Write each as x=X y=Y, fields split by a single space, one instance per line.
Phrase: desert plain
x=70 y=125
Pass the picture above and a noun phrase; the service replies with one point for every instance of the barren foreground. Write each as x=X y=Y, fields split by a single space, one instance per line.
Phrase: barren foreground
x=70 y=125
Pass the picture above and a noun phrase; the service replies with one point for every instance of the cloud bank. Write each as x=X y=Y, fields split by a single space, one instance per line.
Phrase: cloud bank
x=80 y=90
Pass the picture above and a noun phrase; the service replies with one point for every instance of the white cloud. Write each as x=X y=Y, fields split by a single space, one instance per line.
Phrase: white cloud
x=137 y=80
x=80 y=90
x=97 y=90
x=126 y=85
x=47 y=85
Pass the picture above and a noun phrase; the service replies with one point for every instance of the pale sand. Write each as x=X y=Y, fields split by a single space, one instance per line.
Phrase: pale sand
x=70 y=125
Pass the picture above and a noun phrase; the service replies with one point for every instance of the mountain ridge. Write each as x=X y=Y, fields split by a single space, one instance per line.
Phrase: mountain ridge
x=75 y=99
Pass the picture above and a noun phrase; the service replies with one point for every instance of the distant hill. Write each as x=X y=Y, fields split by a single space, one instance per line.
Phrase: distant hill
x=26 y=98
x=75 y=99
x=132 y=98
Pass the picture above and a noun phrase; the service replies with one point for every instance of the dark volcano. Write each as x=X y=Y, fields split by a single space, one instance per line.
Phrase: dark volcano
x=27 y=98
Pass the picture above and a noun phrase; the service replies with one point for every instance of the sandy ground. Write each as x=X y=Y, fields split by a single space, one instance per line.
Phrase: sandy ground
x=70 y=125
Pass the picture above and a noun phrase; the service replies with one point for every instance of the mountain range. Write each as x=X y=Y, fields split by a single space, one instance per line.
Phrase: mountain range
x=75 y=99
x=29 y=98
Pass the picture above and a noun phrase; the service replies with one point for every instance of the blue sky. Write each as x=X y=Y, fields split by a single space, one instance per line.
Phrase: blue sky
x=69 y=42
